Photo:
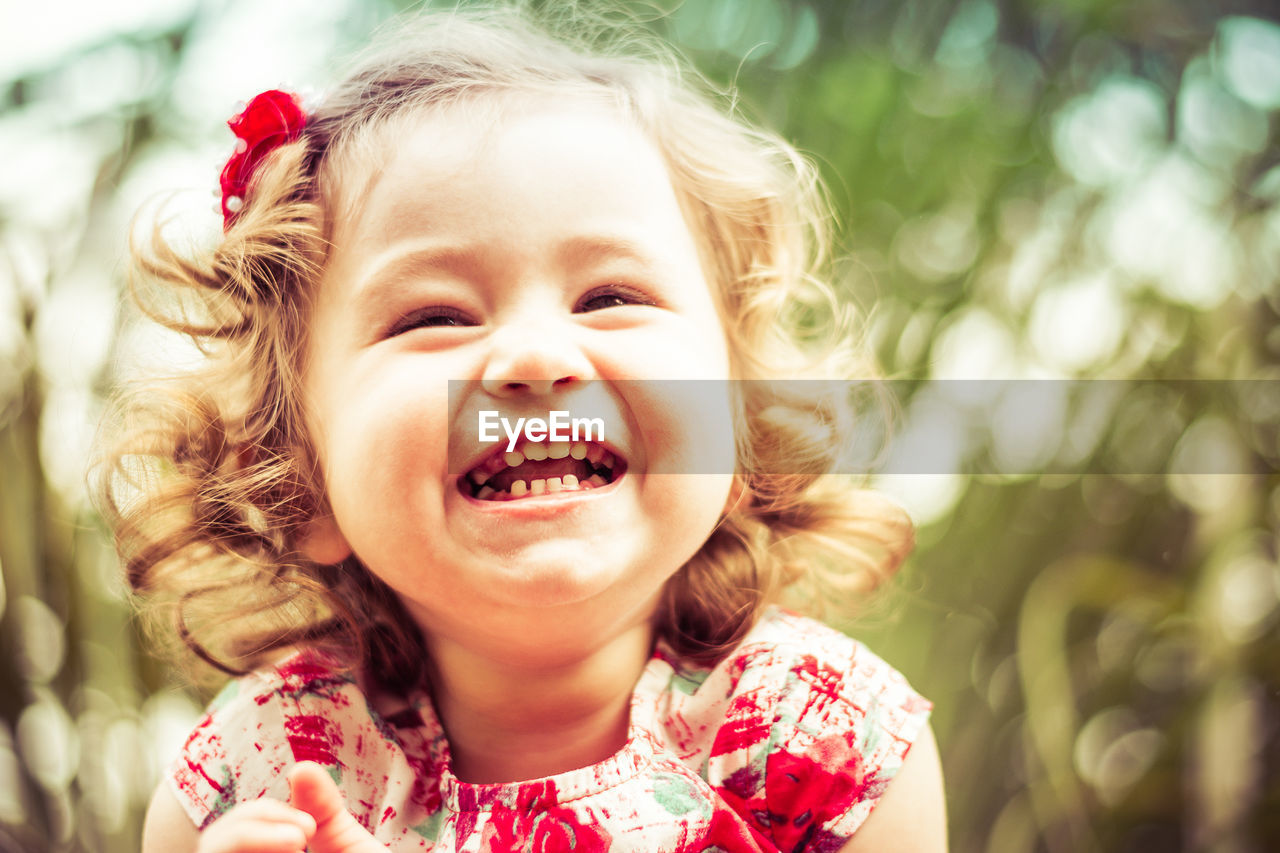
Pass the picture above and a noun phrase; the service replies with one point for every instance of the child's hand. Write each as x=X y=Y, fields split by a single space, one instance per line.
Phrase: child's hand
x=314 y=820
x=262 y=826
x=336 y=831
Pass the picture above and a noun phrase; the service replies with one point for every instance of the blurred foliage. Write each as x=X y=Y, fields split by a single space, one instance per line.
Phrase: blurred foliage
x=1024 y=189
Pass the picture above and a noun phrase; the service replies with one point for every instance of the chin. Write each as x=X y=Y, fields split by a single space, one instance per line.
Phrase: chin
x=548 y=575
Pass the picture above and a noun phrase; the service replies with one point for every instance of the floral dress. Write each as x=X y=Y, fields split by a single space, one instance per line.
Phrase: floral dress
x=785 y=745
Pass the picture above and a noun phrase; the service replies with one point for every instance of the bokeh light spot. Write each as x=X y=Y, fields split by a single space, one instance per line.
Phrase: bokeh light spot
x=1108 y=135
x=1250 y=57
x=48 y=743
x=40 y=639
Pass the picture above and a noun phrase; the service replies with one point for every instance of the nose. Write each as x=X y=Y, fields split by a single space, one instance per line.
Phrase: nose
x=534 y=359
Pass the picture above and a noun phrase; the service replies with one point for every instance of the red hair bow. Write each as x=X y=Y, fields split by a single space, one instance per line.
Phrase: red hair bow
x=270 y=120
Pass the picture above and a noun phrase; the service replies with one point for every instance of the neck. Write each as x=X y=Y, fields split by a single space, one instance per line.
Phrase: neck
x=512 y=721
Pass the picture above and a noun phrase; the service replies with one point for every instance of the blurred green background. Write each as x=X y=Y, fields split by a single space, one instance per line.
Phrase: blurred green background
x=1025 y=189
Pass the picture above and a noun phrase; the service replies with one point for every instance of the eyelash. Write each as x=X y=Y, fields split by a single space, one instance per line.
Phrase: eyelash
x=428 y=317
x=625 y=295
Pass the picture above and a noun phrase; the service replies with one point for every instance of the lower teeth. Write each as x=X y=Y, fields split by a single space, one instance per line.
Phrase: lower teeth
x=481 y=490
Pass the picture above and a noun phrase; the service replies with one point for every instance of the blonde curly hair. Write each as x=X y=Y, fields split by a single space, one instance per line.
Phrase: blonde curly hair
x=209 y=479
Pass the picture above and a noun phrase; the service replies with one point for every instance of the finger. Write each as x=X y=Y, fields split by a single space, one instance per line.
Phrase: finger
x=274 y=811
x=237 y=834
x=313 y=791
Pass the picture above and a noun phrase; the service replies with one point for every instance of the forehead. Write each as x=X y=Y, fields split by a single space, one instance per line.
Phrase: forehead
x=517 y=174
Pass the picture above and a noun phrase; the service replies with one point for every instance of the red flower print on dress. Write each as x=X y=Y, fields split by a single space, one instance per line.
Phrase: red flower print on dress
x=750 y=720
x=823 y=681
x=727 y=832
x=313 y=737
x=538 y=825
x=804 y=792
x=801 y=793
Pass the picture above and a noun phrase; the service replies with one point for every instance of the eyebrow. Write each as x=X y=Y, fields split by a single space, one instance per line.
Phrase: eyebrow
x=464 y=260
x=588 y=249
x=459 y=260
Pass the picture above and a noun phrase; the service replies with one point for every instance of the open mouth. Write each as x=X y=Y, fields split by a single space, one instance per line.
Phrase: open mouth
x=540 y=468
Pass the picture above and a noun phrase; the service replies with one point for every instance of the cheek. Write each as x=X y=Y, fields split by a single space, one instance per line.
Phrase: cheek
x=697 y=432
x=687 y=413
x=384 y=457
x=691 y=507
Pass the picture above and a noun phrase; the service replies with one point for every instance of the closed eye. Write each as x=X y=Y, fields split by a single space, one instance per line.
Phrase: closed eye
x=425 y=318
x=611 y=296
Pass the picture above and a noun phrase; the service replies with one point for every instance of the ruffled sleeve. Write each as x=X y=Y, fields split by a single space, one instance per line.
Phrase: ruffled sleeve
x=235 y=753
x=307 y=709
x=817 y=728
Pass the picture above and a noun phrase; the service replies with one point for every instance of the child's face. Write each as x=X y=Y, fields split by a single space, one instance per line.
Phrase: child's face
x=540 y=262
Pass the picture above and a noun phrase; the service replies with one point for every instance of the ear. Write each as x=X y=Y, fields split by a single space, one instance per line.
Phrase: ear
x=322 y=540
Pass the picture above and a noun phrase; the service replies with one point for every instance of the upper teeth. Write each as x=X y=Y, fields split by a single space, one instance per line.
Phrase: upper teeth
x=537 y=452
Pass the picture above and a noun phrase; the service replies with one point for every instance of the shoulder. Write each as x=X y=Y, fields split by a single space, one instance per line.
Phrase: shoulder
x=255 y=729
x=168 y=829
x=813 y=728
x=911 y=815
